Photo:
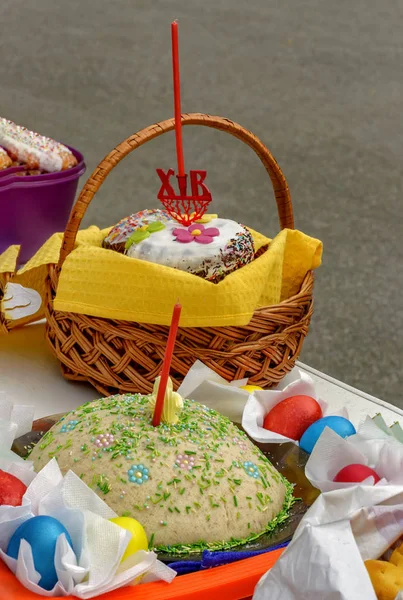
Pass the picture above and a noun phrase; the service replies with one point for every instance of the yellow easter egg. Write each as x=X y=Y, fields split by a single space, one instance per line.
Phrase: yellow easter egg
x=250 y=388
x=139 y=538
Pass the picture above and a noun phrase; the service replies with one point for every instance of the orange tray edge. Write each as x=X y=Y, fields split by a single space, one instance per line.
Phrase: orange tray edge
x=235 y=581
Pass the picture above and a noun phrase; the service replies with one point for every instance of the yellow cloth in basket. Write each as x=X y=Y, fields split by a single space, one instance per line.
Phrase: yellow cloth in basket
x=103 y=283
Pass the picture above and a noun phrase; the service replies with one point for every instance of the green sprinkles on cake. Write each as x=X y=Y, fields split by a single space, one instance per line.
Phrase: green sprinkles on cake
x=174 y=479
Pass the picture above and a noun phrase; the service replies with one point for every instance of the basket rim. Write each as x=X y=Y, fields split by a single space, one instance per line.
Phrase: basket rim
x=278 y=180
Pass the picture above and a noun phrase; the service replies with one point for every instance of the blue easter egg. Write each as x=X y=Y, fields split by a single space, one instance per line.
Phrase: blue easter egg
x=343 y=427
x=41 y=533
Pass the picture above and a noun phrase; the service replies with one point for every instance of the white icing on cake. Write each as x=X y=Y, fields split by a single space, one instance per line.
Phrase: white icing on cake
x=228 y=251
x=163 y=248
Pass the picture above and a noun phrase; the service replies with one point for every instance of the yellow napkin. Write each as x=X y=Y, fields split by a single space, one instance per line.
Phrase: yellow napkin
x=103 y=283
x=33 y=275
x=8 y=260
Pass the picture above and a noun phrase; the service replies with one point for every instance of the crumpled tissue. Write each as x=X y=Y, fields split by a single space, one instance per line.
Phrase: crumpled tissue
x=260 y=403
x=204 y=385
x=370 y=446
x=341 y=530
x=95 y=565
x=376 y=429
x=15 y=420
x=395 y=430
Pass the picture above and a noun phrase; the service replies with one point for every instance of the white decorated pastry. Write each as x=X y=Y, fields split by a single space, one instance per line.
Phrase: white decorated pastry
x=34 y=150
x=211 y=250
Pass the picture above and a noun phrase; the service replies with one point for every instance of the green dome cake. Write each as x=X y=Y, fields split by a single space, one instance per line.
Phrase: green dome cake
x=198 y=483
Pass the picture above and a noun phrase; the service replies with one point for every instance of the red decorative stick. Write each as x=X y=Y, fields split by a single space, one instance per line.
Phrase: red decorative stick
x=166 y=365
x=183 y=207
x=177 y=103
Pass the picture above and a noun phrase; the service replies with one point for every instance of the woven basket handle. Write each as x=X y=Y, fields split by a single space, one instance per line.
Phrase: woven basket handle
x=93 y=184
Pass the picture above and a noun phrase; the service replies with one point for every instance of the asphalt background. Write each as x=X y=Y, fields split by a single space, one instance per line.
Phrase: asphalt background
x=319 y=81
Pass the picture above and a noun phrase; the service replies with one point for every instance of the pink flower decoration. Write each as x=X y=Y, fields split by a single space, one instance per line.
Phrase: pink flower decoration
x=239 y=442
x=104 y=440
x=185 y=462
x=196 y=233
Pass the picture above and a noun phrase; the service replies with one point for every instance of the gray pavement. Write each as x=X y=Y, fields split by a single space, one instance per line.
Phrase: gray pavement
x=321 y=83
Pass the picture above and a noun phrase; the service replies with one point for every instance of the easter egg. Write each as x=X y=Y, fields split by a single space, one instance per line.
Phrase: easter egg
x=292 y=416
x=343 y=427
x=355 y=473
x=41 y=533
x=139 y=538
x=250 y=388
x=11 y=489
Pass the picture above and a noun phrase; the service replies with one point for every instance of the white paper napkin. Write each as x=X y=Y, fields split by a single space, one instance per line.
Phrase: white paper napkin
x=203 y=385
x=20 y=415
x=260 y=403
x=331 y=453
x=15 y=420
x=341 y=530
x=95 y=565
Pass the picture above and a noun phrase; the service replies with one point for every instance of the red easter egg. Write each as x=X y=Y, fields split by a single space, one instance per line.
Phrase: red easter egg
x=355 y=473
x=11 y=489
x=292 y=416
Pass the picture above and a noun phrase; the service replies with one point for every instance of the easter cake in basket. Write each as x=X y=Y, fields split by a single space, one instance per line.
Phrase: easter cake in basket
x=247 y=300
x=210 y=250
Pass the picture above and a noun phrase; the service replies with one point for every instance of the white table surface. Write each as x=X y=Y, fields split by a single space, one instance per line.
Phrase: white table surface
x=30 y=374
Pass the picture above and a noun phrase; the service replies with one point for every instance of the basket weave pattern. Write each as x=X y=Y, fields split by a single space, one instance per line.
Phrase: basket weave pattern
x=126 y=357
x=121 y=356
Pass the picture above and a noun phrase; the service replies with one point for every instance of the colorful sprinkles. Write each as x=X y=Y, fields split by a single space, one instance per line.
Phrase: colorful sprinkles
x=236 y=254
x=120 y=233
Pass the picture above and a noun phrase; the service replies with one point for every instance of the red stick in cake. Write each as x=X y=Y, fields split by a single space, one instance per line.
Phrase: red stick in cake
x=166 y=365
x=177 y=105
x=183 y=207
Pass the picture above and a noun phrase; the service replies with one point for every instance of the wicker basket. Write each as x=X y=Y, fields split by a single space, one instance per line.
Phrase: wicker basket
x=121 y=356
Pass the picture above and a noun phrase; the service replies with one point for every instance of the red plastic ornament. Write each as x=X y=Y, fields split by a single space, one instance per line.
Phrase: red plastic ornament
x=355 y=473
x=11 y=489
x=182 y=207
x=292 y=416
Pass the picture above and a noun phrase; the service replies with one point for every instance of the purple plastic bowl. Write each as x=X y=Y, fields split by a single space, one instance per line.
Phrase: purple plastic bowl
x=34 y=207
